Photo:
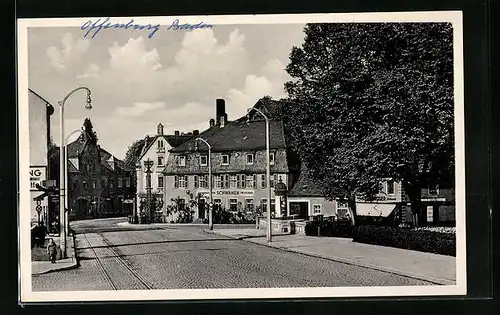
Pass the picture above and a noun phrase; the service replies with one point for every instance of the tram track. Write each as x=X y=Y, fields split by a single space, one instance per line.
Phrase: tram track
x=114 y=267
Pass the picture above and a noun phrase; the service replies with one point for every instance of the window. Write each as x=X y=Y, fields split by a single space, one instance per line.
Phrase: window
x=75 y=184
x=274 y=179
x=94 y=184
x=196 y=181
x=160 y=161
x=225 y=181
x=183 y=181
x=160 y=181
x=120 y=184
x=271 y=158
x=342 y=209
x=249 y=159
x=390 y=187
x=218 y=181
x=203 y=160
x=241 y=181
x=249 y=206
x=263 y=205
x=84 y=184
x=316 y=209
x=225 y=159
x=182 y=161
x=233 y=181
x=203 y=181
x=233 y=204
x=127 y=181
x=263 y=181
x=433 y=190
x=273 y=205
x=160 y=143
x=217 y=204
x=249 y=181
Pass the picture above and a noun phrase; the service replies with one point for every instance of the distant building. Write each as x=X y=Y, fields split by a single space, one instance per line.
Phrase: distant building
x=156 y=148
x=40 y=111
x=238 y=158
x=99 y=184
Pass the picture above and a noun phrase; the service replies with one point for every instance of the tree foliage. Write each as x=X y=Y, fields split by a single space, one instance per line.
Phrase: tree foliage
x=133 y=154
x=89 y=130
x=370 y=101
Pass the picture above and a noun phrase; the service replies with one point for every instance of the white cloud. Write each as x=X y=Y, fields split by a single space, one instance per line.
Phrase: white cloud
x=70 y=54
x=90 y=72
x=135 y=55
x=140 y=108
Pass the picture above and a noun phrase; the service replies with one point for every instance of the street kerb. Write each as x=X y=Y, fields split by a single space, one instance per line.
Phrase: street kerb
x=252 y=239
x=72 y=261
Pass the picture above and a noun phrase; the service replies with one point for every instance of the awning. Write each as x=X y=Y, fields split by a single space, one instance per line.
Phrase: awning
x=375 y=209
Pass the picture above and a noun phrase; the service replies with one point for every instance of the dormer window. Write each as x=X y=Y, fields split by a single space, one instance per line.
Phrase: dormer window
x=249 y=159
x=203 y=160
x=182 y=161
x=271 y=158
x=225 y=159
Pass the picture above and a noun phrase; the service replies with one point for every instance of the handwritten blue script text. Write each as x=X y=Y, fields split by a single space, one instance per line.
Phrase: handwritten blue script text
x=98 y=25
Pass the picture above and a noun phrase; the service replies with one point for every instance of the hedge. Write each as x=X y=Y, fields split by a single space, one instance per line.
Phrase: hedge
x=413 y=239
x=329 y=228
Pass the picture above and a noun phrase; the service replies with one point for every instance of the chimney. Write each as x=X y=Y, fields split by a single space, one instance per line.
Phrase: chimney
x=160 y=129
x=220 y=109
x=211 y=122
x=196 y=132
x=176 y=132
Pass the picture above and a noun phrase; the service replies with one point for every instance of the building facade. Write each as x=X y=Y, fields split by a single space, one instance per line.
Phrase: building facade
x=156 y=149
x=40 y=111
x=238 y=161
x=99 y=184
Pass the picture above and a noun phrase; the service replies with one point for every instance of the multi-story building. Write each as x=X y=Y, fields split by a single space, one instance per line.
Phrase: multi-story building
x=39 y=135
x=238 y=160
x=156 y=149
x=99 y=184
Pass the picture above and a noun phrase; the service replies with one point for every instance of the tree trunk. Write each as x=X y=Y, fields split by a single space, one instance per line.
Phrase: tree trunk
x=414 y=192
x=351 y=207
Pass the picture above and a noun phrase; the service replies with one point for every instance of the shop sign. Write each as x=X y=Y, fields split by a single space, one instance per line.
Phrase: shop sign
x=37 y=175
x=234 y=192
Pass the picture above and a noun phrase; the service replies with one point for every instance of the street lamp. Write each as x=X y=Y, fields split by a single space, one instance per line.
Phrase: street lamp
x=62 y=168
x=210 y=205
x=268 y=172
x=66 y=220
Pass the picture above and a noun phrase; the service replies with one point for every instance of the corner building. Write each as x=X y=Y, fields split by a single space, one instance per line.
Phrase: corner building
x=238 y=158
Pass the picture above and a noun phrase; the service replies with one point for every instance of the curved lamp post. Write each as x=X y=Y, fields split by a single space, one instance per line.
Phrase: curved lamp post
x=62 y=169
x=268 y=173
x=66 y=222
x=210 y=205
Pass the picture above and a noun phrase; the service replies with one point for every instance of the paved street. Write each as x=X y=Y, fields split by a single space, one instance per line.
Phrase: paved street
x=114 y=257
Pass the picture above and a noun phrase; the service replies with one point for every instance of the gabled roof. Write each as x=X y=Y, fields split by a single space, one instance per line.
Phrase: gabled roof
x=173 y=140
x=108 y=157
x=76 y=147
x=238 y=136
x=306 y=185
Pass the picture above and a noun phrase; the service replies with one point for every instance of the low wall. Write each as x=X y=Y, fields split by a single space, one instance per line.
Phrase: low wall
x=281 y=226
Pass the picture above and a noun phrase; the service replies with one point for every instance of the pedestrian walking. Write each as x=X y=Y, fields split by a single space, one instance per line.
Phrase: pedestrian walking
x=52 y=251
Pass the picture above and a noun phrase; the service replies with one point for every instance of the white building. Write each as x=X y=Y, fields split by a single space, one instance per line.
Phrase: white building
x=156 y=149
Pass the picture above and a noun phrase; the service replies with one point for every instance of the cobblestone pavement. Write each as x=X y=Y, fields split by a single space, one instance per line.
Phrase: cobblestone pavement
x=188 y=258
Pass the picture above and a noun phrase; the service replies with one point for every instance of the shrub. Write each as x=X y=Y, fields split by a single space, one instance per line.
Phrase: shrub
x=423 y=240
x=329 y=228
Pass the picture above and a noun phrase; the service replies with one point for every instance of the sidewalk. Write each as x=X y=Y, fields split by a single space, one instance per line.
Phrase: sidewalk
x=439 y=269
x=41 y=267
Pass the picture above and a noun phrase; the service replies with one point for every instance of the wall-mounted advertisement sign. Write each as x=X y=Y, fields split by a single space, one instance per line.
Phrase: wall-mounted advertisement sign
x=37 y=175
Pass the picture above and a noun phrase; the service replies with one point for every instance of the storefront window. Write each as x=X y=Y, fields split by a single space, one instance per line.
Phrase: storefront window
x=233 y=204
x=249 y=205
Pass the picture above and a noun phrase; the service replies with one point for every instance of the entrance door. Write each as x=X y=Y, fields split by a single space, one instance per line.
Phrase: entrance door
x=299 y=209
x=201 y=208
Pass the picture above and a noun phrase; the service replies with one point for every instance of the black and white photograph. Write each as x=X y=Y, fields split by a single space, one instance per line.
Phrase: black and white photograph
x=241 y=156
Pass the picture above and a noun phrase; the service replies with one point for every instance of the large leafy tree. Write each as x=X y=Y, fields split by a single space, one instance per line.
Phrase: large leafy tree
x=133 y=154
x=375 y=100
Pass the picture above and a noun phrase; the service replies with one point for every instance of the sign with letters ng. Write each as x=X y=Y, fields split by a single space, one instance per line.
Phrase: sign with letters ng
x=37 y=175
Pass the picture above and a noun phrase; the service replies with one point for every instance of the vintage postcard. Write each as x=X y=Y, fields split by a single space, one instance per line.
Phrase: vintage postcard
x=241 y=157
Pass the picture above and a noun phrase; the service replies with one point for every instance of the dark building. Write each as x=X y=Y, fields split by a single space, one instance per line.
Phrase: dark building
x=99 y=184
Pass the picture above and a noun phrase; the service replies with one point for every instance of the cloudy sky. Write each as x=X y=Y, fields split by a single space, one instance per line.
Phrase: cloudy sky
x=172 y=78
